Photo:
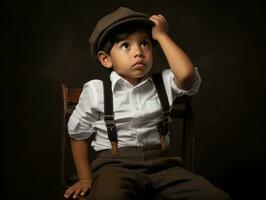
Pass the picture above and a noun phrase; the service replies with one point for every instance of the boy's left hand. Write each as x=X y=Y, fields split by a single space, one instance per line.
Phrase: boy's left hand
x=160 y=27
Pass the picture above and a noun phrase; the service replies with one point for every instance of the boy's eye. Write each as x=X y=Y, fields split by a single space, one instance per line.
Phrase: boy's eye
x=145 y=43
x=124 y=45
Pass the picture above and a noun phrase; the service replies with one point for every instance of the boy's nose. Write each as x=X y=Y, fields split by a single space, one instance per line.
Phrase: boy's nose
x=138 y=52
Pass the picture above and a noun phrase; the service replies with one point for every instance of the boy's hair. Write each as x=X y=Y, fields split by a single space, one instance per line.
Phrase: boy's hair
x=114 y=20
x=124 y=31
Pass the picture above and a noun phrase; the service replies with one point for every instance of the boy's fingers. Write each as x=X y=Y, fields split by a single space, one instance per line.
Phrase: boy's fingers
x=154 y=19
x=76 y=193
x=162 y=17
x=84 y=191
x=157 y=19
x=151 y=18
x=68 y=193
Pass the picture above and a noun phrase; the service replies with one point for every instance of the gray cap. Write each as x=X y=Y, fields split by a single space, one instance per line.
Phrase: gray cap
x=106 y=24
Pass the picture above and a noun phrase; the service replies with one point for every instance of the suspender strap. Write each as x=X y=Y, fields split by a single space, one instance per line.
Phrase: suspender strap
x=163 y=125
x=109 y=115
x=159 y=84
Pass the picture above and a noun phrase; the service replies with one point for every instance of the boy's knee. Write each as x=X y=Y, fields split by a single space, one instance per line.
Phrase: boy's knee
x=110 y=184
x=110 y=177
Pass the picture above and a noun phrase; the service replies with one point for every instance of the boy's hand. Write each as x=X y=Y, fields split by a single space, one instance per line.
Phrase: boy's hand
x=160 y=27
x=78 y=188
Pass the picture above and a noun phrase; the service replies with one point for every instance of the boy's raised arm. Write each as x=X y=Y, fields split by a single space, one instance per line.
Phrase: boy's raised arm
x=179 y=62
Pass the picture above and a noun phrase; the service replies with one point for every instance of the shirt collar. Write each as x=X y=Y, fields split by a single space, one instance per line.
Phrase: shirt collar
x=116 y=79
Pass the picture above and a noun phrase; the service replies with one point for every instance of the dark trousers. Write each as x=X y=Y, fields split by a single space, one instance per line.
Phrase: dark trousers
x=147 y=173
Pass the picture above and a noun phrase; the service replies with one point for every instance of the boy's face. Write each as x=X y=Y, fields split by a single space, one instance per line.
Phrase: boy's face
x=131 y=57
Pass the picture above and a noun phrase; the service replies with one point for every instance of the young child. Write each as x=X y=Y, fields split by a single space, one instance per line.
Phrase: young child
x=135 y=167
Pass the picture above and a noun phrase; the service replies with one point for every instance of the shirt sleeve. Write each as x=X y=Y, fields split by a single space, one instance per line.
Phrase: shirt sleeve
x=80 y=124
x=173 y=91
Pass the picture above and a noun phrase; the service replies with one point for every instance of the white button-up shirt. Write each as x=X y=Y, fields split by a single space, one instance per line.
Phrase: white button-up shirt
x=137 y=110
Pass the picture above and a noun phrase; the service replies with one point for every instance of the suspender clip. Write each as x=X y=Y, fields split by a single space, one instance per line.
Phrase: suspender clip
x=109 y=121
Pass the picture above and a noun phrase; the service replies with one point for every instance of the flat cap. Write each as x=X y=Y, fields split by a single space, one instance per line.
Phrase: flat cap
x=111 y=21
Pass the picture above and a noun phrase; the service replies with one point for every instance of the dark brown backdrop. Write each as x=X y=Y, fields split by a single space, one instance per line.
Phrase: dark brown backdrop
x=45 y=43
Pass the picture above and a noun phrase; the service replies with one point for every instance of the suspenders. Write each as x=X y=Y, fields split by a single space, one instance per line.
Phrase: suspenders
x=163 y=125
x=109 y=112
x=109 y=116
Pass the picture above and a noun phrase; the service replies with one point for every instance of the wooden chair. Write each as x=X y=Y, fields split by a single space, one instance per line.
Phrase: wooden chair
x=181 y=114
x=70 y=98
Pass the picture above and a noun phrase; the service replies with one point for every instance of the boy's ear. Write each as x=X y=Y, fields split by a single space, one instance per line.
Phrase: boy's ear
x=105 y=59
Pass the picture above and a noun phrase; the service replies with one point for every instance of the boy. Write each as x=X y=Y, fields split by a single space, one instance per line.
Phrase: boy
x=133 y=167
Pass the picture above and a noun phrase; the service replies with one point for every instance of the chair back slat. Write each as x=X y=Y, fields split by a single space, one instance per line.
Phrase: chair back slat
x=73 y=95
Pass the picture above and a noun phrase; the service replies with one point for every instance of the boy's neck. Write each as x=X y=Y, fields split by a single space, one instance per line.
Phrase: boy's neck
x=132 y=81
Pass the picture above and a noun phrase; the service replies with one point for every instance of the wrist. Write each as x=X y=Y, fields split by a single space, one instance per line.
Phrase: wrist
x=84 y=179
x=160 y=37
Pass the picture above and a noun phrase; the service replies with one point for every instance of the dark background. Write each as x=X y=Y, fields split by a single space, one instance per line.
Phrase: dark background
x=45 y=43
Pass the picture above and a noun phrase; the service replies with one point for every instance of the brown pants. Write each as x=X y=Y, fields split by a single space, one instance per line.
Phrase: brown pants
x=146 y=173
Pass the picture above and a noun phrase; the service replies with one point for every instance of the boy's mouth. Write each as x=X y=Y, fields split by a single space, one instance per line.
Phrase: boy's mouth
x=138 y=64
